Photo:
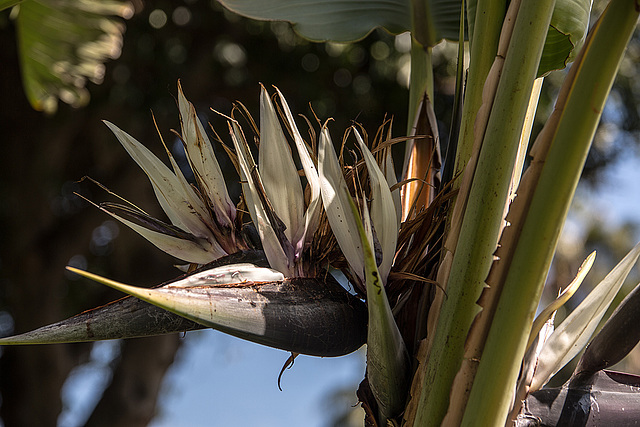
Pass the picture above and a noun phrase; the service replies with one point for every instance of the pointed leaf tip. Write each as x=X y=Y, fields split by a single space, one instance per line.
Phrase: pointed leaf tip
x=383 y=209
x=572 y=334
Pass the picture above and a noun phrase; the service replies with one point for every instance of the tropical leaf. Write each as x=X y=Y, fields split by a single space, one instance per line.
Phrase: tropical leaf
x=336 y=20
x=5 y=4
x=568 y=28
x=62 y=44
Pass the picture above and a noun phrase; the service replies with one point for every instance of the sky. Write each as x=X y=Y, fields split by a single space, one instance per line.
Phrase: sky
x=220 y=380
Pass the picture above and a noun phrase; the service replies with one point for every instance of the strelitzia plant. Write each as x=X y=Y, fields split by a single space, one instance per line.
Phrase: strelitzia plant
x=448 y=282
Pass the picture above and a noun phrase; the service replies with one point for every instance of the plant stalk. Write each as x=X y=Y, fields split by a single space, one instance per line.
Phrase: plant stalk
x=483 y=217
x=590 y=82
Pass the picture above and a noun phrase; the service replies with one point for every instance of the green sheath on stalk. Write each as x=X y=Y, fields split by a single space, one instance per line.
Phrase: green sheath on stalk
x=387 y=356
x=483 y=216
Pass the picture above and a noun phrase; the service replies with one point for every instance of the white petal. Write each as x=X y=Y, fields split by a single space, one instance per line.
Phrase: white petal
x=179 y=202
x=230 y=274
x=270 y=242
x=204 y=163
x=383 y=210
x=392 y=180
x=335 y=197
x=312 y=215
x=278 y=171
x=198 y=252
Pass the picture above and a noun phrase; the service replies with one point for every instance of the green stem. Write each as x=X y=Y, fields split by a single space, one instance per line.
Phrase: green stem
x=488 y=22
x=594 y=72
x=483 y=217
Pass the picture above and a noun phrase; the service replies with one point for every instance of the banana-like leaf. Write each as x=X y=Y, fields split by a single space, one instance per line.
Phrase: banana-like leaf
x=300 y=315
x=568 y=28
x=337 y=204
x=278 y=171
x=204 y=163
x=65 y=43
x=616 y=339
x=336 y=20
x=571 y=336
x=388 y=365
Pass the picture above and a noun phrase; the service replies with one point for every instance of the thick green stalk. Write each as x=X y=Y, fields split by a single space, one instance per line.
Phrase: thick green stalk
x=589 y=87
x=483 y=217
x=488 y=22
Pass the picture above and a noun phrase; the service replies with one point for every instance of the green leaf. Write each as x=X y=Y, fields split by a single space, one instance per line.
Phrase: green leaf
x=5 y=4
x=434 y=20
x=572 y=335
x=64 y=44
x=568 y=28
x=336 y=20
